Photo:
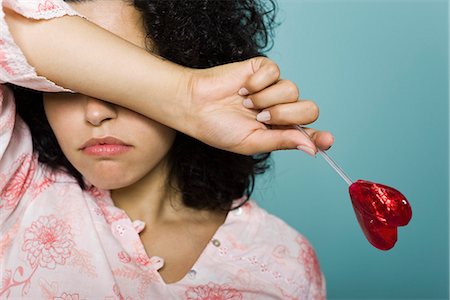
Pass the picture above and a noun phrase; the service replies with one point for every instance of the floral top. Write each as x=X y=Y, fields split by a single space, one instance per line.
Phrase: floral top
x=60 y=242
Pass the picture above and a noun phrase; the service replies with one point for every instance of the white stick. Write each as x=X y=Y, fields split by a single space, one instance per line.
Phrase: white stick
x=329 y=160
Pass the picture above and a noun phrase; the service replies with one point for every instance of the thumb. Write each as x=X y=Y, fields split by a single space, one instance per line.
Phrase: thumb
x=264 y=73
x=267 y=140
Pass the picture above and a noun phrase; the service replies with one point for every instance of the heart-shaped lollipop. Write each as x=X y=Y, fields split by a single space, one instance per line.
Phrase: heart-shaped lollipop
x=379 y=208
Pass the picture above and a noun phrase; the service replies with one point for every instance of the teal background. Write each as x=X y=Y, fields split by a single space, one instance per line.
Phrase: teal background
x=379 y=72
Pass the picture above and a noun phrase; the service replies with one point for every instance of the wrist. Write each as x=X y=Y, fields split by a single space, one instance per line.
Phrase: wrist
x=179 y=113
x=199 y=90
x=168 y=87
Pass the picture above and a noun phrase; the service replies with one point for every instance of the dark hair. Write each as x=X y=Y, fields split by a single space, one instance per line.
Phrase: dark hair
x=198 y=34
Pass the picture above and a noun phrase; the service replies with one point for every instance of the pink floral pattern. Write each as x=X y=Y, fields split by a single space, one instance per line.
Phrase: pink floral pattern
x=111 y=215
x=18 y=183
x=124 y=257
x=48 y=242
x=213 y=291
x=6 y=279
x=39 y=187
x=83 y=260
x=141 y=279
x=142 y=259
x=46 y=5
x=280 y=251
x=7 y=239
x=10 y=281
x=7 y=121
x=307 y=258
x=97 y=193
x=66 y=296
x=3 y=60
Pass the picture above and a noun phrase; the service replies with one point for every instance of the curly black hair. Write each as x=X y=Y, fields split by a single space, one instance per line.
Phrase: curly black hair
x=196 y=34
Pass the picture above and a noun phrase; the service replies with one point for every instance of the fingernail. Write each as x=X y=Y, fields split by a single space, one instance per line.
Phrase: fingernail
x=332 y=142
x=307 y=150
x=263 y=116
x=243 y=92
x=248 y=103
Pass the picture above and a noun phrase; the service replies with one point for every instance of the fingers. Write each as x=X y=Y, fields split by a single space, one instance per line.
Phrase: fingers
x=264 y=140
x=297 y=113
x=264 y=87
x=283 y=91
x=278 y=100
x=322 y=139
x=265 y=73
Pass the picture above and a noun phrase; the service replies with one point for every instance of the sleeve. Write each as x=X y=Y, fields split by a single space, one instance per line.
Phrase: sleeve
x=17 y=164
x=296 y=257
x=14 y=67
x=308 y=257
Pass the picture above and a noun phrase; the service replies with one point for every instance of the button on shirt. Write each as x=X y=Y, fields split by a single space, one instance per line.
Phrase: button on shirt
x=60 y=242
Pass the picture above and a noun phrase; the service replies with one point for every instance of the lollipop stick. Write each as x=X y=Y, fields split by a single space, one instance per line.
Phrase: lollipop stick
x=328 y=159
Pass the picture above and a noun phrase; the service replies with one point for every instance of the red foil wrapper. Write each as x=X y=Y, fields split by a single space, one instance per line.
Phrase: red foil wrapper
x=380 y=209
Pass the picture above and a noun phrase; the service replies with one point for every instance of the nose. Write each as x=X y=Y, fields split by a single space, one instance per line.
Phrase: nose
x=98 y=111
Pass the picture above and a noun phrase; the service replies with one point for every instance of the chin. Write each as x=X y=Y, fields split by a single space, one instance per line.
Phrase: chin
x=112 y=184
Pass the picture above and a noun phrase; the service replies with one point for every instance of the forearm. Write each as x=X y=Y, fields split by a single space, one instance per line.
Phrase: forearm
x=88 y=59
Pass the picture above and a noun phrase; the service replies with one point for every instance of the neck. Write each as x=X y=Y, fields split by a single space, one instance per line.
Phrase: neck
x=148 y=199
x=151 y=201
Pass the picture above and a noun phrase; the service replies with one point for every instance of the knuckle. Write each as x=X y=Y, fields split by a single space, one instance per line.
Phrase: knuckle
x=285 y=141
x=256 y=62
x=256 y=101
x=314 y=110
x=274 y=70
x=292 y=89
x=276 y=114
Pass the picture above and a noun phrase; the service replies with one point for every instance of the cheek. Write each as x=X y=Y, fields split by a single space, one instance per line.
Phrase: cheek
x=154 y=140
x=62 y=114
x=147 y=133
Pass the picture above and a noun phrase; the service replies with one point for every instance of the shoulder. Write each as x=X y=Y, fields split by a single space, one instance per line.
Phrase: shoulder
x=281 y=254
x=272 y=232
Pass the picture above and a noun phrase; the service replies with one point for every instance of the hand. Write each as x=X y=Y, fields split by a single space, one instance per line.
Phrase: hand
x=217 y=115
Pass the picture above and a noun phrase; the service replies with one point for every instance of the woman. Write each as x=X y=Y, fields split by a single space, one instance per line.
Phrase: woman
x=140 y=210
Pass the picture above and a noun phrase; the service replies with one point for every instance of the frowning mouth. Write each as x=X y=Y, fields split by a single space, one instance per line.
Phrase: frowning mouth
x=106 y=146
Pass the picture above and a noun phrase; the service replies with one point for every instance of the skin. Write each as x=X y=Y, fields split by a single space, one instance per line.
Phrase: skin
x=137 y=178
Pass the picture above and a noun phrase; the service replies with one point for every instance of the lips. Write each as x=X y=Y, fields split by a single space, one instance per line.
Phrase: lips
x=106 y=146
x=380 y=209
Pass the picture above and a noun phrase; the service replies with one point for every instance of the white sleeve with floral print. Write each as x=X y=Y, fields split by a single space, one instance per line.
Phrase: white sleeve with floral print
x=15 y=139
